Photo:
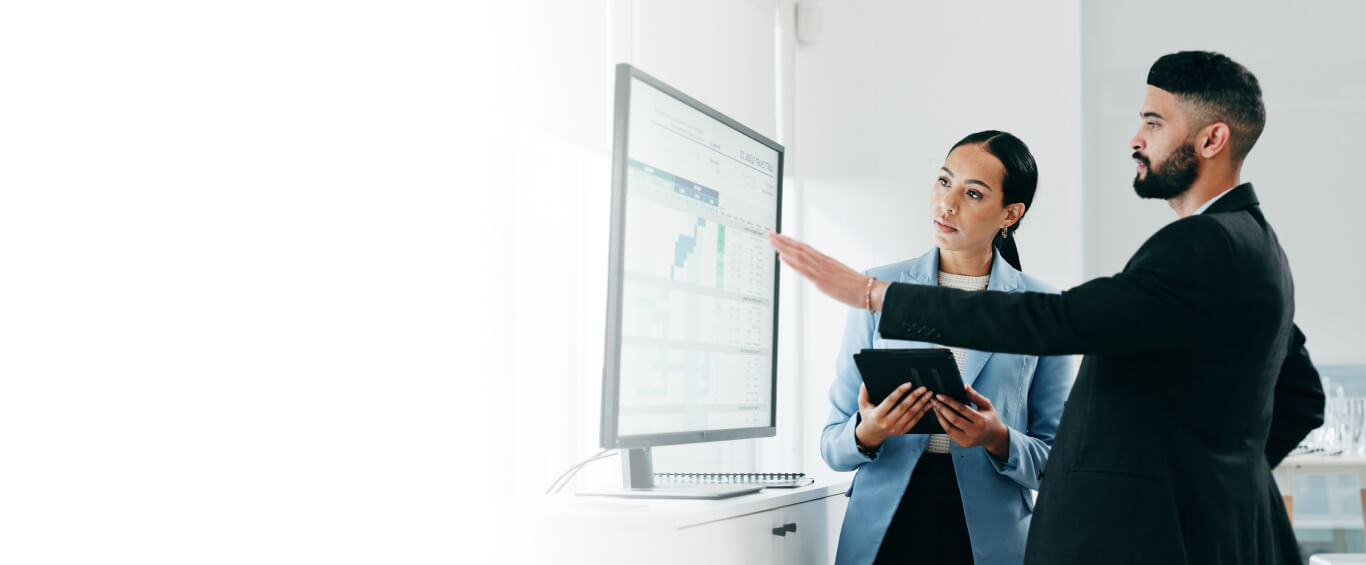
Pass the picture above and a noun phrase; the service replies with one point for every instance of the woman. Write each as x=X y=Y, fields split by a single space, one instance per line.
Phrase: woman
x=964 y=496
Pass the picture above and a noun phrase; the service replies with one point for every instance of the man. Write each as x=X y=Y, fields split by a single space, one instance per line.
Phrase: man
x=1195 y=381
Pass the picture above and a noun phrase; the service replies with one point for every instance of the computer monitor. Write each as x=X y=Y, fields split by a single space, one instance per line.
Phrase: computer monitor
x=692 y=309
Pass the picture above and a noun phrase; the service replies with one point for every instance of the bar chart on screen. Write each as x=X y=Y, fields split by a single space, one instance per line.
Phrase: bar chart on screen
x=697 y=288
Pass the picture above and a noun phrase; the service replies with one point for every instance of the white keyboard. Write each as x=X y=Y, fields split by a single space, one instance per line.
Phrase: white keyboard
x=766 y=480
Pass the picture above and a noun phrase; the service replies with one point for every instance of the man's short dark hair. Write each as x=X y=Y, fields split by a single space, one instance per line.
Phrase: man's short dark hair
x=1214 y=88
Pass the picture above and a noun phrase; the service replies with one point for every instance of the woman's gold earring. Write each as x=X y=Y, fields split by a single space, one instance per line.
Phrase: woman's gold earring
x=1005 y=234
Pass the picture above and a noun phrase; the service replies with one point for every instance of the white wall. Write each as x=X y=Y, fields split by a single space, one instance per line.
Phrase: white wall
x=1310 y=58
x=882 y=93
x=240 y=318
x=718 y=51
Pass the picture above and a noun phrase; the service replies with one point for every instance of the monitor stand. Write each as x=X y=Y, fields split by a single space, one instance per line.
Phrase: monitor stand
x=638 y=481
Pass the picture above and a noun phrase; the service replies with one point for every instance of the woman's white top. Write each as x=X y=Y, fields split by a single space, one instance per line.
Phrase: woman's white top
x=939 y=443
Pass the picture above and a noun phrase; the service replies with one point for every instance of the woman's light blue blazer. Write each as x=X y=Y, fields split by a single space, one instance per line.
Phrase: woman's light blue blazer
x=1028 y=392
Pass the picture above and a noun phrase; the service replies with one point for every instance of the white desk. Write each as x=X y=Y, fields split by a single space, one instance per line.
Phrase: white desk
x=1317 y=465
x=1338 y=559
x=797 y=526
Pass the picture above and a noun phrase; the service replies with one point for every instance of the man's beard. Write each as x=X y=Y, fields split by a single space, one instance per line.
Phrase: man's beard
x=1176 y=175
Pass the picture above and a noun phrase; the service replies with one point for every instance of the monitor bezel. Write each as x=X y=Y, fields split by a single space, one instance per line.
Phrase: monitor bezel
x=610 y=438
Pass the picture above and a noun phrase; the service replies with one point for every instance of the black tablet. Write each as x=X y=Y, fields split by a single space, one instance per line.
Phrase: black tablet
x=885 y=369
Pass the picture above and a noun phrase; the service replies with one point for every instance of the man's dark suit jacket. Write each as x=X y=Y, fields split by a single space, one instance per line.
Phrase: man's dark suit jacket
x=1194 y=385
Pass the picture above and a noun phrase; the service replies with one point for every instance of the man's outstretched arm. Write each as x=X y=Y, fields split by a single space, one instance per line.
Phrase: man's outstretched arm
x=1171 y=292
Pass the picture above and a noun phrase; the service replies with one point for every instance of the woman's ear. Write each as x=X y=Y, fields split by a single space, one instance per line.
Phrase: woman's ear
x=1014 y=212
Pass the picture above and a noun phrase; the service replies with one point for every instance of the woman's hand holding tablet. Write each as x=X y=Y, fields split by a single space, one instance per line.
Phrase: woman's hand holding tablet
x=883 y=370
x=891 y=417
x=971 y=427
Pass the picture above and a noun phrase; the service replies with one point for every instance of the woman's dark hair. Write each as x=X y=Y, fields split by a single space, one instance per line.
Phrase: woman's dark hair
x=1021 y=178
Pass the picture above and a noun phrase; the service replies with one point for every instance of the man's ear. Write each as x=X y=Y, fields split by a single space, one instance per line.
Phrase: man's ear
x=1212 y=140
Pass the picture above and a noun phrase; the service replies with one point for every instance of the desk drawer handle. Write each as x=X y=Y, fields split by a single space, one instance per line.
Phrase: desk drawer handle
x=785 y=528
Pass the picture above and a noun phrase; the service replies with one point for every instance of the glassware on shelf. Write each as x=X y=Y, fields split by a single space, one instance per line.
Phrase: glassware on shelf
x=1353 y=417
x=1344 y=425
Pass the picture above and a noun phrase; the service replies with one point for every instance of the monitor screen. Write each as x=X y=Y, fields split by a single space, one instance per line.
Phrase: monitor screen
x=692 y=324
